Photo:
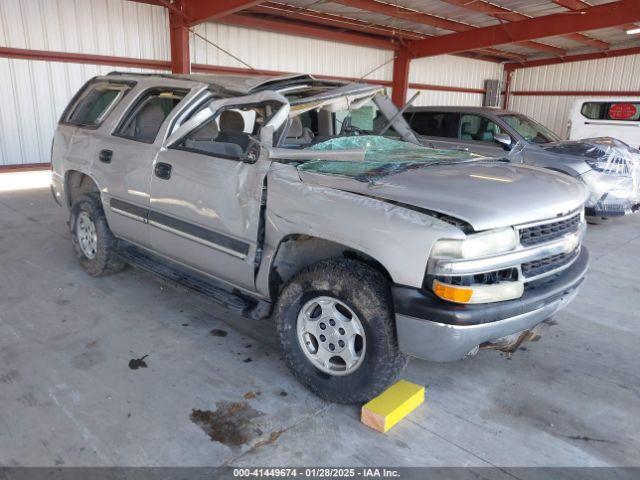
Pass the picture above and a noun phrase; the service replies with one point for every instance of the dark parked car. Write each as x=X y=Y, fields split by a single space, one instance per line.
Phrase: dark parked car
x=608 y=167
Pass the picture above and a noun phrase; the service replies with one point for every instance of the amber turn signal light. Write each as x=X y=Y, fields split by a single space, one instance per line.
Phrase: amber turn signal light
x=452 y=293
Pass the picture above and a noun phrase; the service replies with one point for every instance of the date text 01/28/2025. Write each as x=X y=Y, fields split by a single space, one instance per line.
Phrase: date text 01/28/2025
x=316 y=472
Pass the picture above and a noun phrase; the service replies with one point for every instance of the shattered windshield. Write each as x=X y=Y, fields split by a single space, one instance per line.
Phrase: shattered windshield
x=382 y=157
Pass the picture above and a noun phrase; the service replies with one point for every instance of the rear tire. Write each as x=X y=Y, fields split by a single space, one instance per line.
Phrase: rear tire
x=355 y=295
x=93 y=242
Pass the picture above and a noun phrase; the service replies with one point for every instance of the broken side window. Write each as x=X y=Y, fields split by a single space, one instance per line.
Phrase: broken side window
x=95 y=103
x=228 y=134
x=144 y=119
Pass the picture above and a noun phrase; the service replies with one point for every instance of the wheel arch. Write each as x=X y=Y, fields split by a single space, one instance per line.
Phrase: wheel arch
x=78 y=183
x=297 y=251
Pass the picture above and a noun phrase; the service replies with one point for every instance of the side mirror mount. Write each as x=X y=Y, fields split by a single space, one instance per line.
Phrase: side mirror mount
x=266 y=135
x=502 y=139
x=252 y=153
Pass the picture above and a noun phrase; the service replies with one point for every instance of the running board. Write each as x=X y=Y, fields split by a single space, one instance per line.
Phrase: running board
x=180 y=277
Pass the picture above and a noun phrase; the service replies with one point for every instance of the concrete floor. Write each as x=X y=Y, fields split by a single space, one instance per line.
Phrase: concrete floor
x=68 y=396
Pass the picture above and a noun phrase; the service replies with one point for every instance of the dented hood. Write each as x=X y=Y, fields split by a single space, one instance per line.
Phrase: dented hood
x=484 y=194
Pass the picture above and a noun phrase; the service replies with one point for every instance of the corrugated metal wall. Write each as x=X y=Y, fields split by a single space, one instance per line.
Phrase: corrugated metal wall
x=36 y=92
x=101 y=27
x=35 y=95
x=451 y=71
x=275 y=51
x=606 y=75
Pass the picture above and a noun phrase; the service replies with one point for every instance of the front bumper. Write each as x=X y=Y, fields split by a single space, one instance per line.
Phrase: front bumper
x=611 y=195
x=57 y=189
x=435 y=330
x=610 y=206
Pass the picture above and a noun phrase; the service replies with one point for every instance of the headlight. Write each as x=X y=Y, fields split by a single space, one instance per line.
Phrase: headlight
x=497 y=292
x=600 y=183
x=477 y=245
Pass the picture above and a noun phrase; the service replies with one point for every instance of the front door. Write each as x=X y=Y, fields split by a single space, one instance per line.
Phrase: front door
x=207 y=189
x=476 y=135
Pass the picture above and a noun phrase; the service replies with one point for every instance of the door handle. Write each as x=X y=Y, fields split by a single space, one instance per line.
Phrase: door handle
x=163 y=170
x=105 y=156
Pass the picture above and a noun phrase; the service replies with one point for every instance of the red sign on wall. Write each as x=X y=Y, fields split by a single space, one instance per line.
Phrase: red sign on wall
x=622 y=111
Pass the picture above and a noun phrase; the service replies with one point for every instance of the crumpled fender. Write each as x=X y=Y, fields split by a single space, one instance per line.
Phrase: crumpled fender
x=397 y=237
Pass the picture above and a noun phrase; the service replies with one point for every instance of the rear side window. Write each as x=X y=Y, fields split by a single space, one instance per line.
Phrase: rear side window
x=143 y=120
x=95 y=103
x=619 y=111
x=435 y=124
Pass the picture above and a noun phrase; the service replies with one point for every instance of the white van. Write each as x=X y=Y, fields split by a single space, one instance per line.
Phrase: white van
x=606 y=117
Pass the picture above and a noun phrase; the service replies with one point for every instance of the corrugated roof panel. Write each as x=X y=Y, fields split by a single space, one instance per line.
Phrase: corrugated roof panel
x=613 y=35
x=439 y=8
x=448 y=11
x=376 y=18
x=432 y=7
x=517 y=48
x=532 y=8
x=561 y=42
x=600 y=2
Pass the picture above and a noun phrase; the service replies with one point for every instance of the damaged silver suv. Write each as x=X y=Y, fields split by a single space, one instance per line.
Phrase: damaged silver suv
x=274 y=197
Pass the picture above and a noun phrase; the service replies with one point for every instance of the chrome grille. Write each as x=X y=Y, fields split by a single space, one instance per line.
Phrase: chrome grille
x=547 y=232
x=548 y=264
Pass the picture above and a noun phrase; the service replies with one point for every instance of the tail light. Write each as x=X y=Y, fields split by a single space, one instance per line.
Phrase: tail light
x=51 y=156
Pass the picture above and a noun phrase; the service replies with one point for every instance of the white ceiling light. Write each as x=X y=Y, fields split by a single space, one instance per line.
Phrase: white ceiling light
x=633 y=31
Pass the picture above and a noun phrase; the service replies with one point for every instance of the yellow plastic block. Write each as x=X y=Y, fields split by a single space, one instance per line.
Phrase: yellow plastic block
x=392 y=405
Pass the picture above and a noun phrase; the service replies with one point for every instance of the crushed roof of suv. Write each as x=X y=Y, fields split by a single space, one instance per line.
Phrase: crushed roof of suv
x=241 y=84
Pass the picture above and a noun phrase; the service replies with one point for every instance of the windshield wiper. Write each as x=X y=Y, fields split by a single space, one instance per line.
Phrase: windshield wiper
x=453 y=161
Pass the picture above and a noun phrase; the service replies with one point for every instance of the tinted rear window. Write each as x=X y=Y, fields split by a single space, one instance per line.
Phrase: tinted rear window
x=434 y=124
x=95 y=102
x=618 y=111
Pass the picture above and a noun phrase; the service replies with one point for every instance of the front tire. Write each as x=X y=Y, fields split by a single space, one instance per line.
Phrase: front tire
x=93 y=242
x=596 y=220
x=336 y=328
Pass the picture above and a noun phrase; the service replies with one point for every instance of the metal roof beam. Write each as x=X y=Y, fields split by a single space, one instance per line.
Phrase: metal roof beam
x=431 y=20
x=198 y=11
x=579 y=5
x=332 y=20
x=406 y=14
x=574 y=58
x=280 y=11
x=502 y=13
x=592 y=18
x=308 y=30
